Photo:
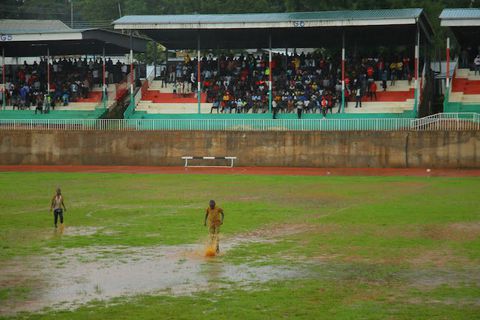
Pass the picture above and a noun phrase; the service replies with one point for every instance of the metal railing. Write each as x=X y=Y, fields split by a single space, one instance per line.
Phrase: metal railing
x=476 y=118
x=451 y=122
x=448 y=121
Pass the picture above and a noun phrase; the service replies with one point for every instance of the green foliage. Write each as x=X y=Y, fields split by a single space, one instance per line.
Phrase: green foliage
x=102 y=13
x=93 y=10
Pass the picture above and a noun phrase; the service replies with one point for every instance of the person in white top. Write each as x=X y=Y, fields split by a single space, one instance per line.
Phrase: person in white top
x=477 y=64
x=57 y=205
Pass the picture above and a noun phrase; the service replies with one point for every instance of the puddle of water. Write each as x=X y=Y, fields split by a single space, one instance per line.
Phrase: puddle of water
x=76 y=276
x=65 y=230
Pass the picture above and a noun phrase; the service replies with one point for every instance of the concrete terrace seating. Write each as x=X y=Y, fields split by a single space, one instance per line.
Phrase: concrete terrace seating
x=89 y=108
x=157 y=94
x=397 y=99
x=381 y=107
x=172 y=108
x=53 y=114
x=93 y=101
x=465 y=87
x=157 y=100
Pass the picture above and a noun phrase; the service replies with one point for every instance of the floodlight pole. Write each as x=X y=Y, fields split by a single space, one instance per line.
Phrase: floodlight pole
x=448 y=64
x=199 y=77
x=104 y=87
x=343 y=72
x=4 y=98
x=270 y=74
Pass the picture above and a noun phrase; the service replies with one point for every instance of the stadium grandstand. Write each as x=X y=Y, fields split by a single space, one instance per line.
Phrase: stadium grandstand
x=359 y=64
x=463 y=91
x=70 y=74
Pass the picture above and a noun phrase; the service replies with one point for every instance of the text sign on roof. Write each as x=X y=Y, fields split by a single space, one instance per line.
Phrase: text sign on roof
x=299 y=24
x=6 y=37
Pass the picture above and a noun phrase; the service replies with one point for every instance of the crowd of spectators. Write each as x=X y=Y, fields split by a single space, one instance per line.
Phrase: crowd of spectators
x=302 y=83
x=70 y=80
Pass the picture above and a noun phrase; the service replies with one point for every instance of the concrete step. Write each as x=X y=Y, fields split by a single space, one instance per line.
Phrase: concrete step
x=157 y=85
x=461 y=97
x=110 y=87
x=172 y=108
x=455 y=97
x=380 y=107
x=78 y=106
x=467 y=74
x=400 y=85
x=471 y=98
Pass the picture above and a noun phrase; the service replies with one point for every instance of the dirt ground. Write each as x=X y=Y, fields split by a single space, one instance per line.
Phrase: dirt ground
x=418 y=172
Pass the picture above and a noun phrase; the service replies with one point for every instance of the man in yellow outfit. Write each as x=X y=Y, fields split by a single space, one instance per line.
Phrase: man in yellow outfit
x=215 y=216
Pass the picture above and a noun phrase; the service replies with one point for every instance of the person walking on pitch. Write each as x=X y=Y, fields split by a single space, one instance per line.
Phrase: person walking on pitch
x=56 y=206
x=214 y=215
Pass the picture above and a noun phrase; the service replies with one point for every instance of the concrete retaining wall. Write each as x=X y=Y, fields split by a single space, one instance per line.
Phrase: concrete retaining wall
x=453 y=149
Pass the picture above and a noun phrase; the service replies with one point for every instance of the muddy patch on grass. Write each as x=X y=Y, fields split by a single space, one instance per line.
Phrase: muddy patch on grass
x=273 y=231
x=464 y=231
x=71 y=277
x=428 y=279
x=71 y=231
x=439 y=258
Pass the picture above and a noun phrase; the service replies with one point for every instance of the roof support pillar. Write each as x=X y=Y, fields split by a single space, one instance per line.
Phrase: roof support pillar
x=270 y=80
x=417 y=67
x=218 y=60
x=132 y=98
x=48 y=70
x=447 y=83
x=104 y=87
x=286 y=58
x=4 y=87
x=343 y=72
x=167 y=70
x=155 y=47
x=199 y=76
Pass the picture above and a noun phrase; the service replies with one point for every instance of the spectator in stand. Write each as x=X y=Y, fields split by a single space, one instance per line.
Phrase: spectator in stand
x=331 y=102
x=358 y=98
x=70 y=79
x=65 y=97
x=39 y=105
x=24 y=91
x=373 y=91
x=384 y=79
x=393 y=73
x=399 y=70
x=324 y=104
x=46 y=103
x=275 y=106
x=476 y=62
x=299 y=105
x=241 y=82
x=406 y=67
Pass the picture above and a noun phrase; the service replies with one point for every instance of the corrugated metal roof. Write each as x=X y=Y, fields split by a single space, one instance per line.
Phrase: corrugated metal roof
x=460 y=13
x=274 y=17
x=11 y=26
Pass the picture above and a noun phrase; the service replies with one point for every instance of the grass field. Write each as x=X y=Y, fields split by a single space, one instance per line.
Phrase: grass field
x=292 y=247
